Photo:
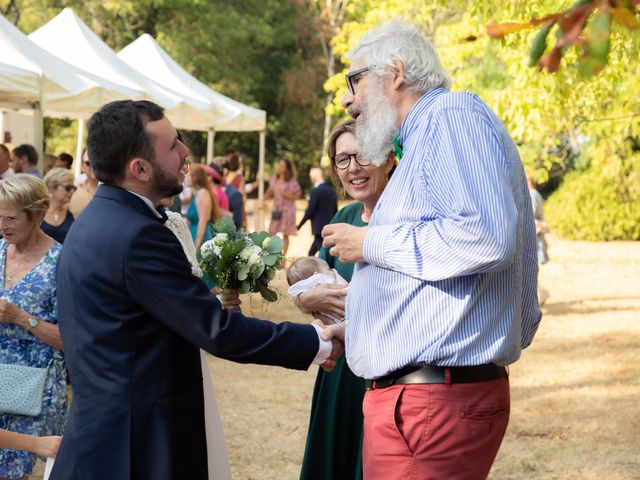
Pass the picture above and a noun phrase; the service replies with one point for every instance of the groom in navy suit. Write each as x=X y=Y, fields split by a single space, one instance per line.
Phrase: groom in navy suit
x=132 y=316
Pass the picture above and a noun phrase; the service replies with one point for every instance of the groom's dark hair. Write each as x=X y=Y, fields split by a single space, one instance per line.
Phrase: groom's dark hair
x=116 y=135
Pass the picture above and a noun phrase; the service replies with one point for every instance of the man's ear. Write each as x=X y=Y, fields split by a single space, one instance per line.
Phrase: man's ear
x=398 y=70
x=140 y=169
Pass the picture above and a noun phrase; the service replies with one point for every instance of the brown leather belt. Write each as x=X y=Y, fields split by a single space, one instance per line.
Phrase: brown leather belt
x=432 y=374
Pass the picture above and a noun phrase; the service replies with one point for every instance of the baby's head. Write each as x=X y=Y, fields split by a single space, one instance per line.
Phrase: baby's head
x=304 y=267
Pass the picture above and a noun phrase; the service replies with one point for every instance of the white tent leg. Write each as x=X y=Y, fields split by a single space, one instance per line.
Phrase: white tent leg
x=38 y=134
x=2 y=126
x=211 y=136
x=79 y=145
x=261 y=179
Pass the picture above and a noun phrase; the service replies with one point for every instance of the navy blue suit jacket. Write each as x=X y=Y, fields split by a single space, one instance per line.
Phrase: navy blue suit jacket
x=323 y=205
x=132 y=317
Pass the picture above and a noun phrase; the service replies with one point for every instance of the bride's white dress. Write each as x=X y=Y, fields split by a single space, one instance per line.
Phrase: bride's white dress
x=217 y=452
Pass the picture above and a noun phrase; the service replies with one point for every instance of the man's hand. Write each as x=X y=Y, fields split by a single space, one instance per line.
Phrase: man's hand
x=345 y=241
x=231 y=301
x=335 y=333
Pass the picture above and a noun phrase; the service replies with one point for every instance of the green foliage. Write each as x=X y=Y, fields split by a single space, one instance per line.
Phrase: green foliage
x=599 y=204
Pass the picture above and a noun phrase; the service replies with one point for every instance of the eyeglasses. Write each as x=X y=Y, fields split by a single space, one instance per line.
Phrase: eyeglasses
x=353 y=78
x=9 y=221
x=343 y=161
x=69 y=188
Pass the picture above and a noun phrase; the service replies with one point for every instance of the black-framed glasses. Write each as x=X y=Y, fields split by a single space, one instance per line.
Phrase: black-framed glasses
x=343 y=160
x=352 y=78
x=69 y=188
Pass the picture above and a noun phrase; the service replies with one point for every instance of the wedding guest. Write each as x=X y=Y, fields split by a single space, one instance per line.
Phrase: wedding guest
x=132 y=340
x=443 y=295
x=285 y=190
x=203 y=209
x=65 y=160
x=322 y=206
x=58 y=219
x=5 y=161
x=42 y=446
x=86 y=188
x=537 y=204
x=236 y=199
x=49 y=162
x=24 y=159
x=29 y=334
x=334 y=440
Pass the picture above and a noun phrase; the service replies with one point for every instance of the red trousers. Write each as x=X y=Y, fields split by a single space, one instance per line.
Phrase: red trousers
x=434 y=432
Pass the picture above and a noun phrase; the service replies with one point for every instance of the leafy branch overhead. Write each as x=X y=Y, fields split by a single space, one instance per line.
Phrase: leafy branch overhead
x=586 y=25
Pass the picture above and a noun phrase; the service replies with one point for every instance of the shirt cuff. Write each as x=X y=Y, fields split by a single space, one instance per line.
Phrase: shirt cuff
x=373 y=247
x=325 y=348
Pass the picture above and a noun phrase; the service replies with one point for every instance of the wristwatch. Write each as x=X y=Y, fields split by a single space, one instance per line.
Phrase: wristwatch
x=33 y=322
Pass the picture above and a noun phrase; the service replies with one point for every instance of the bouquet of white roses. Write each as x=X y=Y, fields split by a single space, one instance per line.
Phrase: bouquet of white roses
x=245 y=262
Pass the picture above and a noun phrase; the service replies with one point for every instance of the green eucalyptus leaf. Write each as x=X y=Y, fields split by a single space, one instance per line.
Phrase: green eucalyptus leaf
x=276 y=244
x=270 y=260
x=243 y=272
x=245 y=287
x=268 y=294
x=258 y=237
x=225 y=225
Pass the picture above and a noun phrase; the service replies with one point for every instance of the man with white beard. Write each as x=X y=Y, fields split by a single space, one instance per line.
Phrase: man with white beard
x=443 y=296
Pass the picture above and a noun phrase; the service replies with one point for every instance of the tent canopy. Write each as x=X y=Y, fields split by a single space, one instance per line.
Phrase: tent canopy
x=62 y=90
x=151 y=60
x=19 y=88
x=69 y=39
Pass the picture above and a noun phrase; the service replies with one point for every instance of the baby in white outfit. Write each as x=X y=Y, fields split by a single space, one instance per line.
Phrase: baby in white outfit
x=308 y=272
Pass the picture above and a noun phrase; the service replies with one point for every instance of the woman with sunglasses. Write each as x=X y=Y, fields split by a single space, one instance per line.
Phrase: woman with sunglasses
x=87 y=185
x=58 y=219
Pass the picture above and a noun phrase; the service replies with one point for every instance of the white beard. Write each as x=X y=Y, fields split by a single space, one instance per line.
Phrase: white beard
x=376 y=132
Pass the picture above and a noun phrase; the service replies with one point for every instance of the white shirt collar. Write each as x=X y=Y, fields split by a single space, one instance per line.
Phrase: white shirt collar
x=148 y=202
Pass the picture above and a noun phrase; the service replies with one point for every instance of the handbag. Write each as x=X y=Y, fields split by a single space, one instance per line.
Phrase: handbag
x=21 y=389
x=276 y=214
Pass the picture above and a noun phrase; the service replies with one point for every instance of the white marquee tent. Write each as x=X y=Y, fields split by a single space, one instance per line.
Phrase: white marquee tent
x=150 y=59
x=69 y=39
x=19 y=88
x=40 y=82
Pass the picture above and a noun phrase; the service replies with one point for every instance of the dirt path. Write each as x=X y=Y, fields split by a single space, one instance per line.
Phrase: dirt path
x=575 y=392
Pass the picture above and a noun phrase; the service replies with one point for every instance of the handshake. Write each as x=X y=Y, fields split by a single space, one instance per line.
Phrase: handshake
x=335 y=334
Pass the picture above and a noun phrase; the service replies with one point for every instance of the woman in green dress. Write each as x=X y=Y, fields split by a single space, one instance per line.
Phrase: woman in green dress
x=334 y=441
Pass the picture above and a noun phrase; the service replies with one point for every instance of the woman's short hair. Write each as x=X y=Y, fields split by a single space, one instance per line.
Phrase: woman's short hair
x=57 y=176
x=398 y=40
x=25 y=192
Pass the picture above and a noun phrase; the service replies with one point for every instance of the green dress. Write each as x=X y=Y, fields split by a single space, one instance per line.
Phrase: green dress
x=334 y=441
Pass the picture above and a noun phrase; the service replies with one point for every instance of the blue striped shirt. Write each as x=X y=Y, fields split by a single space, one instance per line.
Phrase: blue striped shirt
x=450 y=272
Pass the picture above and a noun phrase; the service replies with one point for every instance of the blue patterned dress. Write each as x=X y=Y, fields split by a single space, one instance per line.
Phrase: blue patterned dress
x=36 y=294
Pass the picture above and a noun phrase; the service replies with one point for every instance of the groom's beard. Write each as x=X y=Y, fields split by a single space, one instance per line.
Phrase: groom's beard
x=165 y=185
x=376 y=132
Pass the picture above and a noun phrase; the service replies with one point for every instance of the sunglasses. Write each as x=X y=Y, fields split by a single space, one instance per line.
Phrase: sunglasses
x=69 y=188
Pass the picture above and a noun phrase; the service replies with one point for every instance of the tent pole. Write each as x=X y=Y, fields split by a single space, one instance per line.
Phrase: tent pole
x=79 y=145
x=211 y=136
x=261 y=179
x=38 y=134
